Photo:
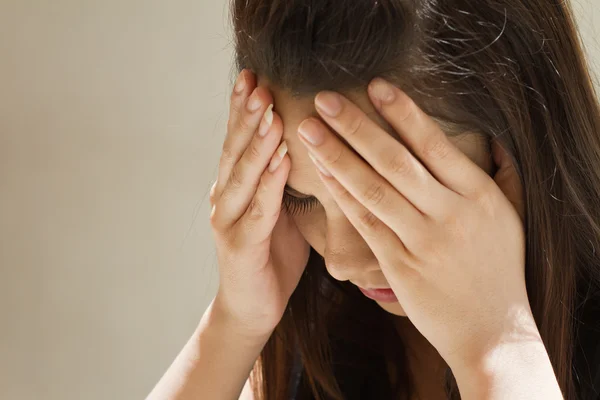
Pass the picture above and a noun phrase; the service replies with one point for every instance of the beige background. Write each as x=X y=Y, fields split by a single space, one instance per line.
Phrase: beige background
x=112 y=115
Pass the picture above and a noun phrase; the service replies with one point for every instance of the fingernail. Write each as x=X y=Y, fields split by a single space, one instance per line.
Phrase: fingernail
x=240 y=84
x=267 y=122
x=253 y=102
x=320 y=166
x=382 y=90
x=278 y=157
x=329 y=102
x=311 y=132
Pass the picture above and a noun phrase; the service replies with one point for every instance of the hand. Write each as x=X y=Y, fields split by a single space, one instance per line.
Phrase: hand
x=260 y=251
x=449 y=242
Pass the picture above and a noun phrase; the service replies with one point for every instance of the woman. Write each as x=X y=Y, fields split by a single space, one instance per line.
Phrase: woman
x=438 y=163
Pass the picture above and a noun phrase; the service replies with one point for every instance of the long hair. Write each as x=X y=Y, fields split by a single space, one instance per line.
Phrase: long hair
x=512 y=70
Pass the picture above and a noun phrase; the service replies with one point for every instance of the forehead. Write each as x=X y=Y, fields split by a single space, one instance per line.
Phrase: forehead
x=294 y=110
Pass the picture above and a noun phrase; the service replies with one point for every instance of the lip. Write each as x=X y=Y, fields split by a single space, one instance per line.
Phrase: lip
x=381 y=295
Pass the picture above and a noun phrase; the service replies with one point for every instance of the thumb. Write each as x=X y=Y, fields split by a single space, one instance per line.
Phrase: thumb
x=507 y=178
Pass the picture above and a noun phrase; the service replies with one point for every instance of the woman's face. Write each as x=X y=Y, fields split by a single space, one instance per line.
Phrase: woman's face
x=324 y=226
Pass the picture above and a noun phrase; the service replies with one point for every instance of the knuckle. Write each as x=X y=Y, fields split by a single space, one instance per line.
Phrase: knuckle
x=253 y=153
x=345 y=195
x=263 y=188
x=236 y=106
x=399 y=163
x=436 y=148
x=215 y=220
x=256 y=210
x=375 y=193
x=354 y=126
x=234 y=116
x=369 y=221
x=334 y=157
x=227 y=155
x=236 y=179
x=231 y=123
x=409 y=112
x=244 y=124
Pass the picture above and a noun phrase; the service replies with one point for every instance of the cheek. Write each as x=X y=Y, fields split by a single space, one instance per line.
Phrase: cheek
x=313 y=226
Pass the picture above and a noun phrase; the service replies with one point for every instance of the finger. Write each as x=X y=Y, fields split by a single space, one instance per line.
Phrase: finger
x=239 y=135
x=358 y=178
x=388 y=156
x=508 y=179
x=244 y=86
x=211 y=196
x=387 y=247
x=427 y=140
x=246 y=174
x=265 y=207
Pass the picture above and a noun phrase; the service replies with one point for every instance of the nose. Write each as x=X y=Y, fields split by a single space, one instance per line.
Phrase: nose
x=347 y=255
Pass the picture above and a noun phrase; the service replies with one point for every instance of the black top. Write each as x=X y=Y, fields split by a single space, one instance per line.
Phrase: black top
x=589 y=387
x=586 y=359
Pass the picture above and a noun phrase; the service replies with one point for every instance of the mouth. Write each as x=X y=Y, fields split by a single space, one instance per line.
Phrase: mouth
x=380 y=295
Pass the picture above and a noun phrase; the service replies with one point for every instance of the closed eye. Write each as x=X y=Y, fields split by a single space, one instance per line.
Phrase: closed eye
x=296 y=205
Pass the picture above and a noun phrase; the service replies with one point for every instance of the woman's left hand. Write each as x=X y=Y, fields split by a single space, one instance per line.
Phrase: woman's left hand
x=448 y=239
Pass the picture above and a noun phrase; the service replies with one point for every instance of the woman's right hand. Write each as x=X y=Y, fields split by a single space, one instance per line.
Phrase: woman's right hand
x=261 y=253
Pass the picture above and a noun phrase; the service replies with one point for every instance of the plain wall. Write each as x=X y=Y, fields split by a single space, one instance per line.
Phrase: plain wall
x=112 y=116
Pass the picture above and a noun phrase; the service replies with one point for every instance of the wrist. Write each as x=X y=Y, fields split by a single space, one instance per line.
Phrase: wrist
x=485 y=348
x=223 y=322
x=509 y=370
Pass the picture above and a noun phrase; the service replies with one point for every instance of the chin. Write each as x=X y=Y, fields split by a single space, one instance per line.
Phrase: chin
x=393 y=308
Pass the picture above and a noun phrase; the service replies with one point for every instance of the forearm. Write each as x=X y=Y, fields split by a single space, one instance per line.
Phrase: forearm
x=214 y=364
x=511 y=371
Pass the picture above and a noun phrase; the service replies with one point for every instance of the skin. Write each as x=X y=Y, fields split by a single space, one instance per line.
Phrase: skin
x=448 y=239
x=446 y=236
x=327 y=229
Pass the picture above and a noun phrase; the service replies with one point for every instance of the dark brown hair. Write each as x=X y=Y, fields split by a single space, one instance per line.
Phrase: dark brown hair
x=512 y=70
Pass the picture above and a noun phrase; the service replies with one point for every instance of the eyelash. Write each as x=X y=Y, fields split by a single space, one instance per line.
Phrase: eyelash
x=298 y=206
